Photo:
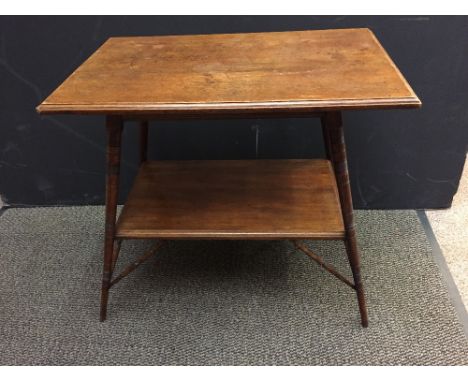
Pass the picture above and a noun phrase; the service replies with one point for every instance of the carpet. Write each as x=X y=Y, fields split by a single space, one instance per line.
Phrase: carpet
x=220 y=302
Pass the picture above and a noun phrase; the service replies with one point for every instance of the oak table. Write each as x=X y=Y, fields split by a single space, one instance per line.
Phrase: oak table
x=282 y=74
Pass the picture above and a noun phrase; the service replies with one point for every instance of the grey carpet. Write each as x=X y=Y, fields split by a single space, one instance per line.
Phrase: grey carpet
x=221 y=302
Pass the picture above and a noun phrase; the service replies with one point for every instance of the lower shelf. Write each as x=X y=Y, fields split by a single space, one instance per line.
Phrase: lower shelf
x=233 y=199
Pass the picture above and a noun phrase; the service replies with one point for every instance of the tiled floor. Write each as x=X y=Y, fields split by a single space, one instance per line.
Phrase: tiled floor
x=451 y=230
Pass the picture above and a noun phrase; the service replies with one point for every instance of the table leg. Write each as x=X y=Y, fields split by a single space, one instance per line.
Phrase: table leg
x=326 y=137
x=334 y=140
x=143 y=141
x=114 y=137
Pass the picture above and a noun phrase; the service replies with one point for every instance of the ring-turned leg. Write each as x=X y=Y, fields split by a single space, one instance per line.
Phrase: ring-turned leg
x=326 y=137
x=334 y=140
x=114 y=126
x=143 y=141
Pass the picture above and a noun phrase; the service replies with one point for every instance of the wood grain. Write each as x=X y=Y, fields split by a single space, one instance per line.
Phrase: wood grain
x=235 y=73
x=232 y=199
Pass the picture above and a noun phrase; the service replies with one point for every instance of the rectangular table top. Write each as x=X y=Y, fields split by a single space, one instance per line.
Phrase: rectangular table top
x=306 y=71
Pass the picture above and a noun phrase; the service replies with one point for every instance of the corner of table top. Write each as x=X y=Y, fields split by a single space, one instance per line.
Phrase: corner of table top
x=40 y=109
x=45 y=108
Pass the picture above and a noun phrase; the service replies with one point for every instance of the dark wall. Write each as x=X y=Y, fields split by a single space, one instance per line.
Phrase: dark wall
x=398 y=159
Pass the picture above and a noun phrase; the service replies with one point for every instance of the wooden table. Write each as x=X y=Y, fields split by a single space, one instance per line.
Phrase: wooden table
x=281 y=74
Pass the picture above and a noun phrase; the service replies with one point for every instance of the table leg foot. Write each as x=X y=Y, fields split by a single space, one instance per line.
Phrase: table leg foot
x=104 y=298
x=354 y=261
